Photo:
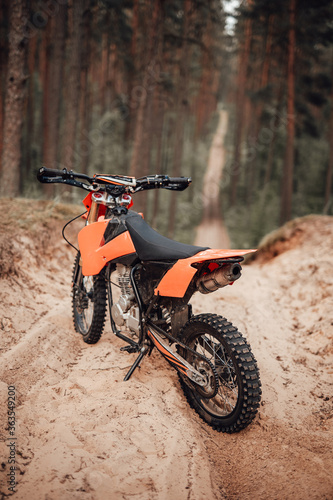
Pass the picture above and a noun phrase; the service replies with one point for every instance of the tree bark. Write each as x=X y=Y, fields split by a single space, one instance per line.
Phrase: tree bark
x=181 y=108
x=159 y=113
x=271 y=148
x=144 y=122
x=46 y=67
x=135 y=165
x=30 y=106
x=73 y=88
x=240 y=100
x=1 y=128
x=14 y=101
x=132 y=71
x=3 y=71
x=329 y=173
x=258 y=109
x=85 y=95
x=53 y=91
x=288 y=168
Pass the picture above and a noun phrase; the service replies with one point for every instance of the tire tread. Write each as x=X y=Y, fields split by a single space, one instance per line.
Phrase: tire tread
x=249 y=372
x=98 y=320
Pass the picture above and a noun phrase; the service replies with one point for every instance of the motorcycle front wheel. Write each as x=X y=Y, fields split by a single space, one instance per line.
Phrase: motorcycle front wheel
x=231 y=398
x=88 y=303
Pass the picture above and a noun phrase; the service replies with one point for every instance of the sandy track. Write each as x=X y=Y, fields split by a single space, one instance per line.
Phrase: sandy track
x=212 y=231
x=84 y=433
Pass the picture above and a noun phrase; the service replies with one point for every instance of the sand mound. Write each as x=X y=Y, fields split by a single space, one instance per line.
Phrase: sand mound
x=307 y=231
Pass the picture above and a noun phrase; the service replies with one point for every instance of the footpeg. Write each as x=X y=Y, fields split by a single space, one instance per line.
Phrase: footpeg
x=130 y=348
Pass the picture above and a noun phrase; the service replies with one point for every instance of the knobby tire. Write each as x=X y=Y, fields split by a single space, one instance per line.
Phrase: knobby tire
x=237 y=369
x=91 y=328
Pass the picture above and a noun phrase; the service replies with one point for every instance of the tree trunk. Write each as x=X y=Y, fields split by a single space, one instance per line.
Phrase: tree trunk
x=85 y=97
x=288 y=168
x=30 y=124
x=1 y=127
x=73 y=87
x=47 y=96
x=152 y=114
x=158 y=168
x=258 y=109
x=329 y=173
x=202 y=98
x=240 y=100
x=16 y=90
x=105 y=64
x=53 y=91
x=271 y=148
x=182 y=108
x=141 y=148
x=3 y=70
x=132 y=71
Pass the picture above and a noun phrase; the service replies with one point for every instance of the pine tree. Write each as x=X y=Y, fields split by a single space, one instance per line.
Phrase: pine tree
x=14 y=100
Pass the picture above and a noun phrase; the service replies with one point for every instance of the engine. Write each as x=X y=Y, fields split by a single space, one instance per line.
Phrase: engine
x=125 y=312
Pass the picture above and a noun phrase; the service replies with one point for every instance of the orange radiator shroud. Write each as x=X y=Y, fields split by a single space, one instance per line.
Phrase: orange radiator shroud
x=95 y=253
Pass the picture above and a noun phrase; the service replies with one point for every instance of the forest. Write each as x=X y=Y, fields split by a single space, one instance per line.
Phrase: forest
x=135 y=87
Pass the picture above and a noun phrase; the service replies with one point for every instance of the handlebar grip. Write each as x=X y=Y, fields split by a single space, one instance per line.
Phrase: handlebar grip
x=177 y=183
x=44 y=172
x=180 y=180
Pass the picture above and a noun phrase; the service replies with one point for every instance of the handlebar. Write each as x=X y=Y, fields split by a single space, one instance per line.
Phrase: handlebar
x=50 y=172
x=114 y=185
x=179 y=179
x=162 y=181
x=44 y=174
x=182 y=182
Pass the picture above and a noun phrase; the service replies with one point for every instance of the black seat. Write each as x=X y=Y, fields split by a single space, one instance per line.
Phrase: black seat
x=150 y=245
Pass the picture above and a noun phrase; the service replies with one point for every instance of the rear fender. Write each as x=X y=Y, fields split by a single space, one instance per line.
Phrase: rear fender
x=176 y=281
x=95 y=253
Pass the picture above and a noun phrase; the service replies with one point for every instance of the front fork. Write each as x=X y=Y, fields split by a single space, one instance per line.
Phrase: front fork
x=93 y=212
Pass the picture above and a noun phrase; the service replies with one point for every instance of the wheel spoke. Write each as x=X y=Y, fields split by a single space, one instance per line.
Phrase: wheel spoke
x=220 y=342
x=226 y=399
x=208 y=345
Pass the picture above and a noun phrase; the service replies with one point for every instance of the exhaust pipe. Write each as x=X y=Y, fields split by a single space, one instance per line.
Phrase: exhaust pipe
x=219 y=278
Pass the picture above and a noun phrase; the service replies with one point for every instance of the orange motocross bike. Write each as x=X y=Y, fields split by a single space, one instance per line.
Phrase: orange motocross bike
x=147 y=281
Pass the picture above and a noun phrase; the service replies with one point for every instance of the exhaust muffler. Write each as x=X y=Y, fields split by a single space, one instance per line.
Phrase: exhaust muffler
x=219 y=278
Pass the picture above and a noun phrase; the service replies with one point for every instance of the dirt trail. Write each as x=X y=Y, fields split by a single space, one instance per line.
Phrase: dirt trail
x=83 y=433
x=212 y=231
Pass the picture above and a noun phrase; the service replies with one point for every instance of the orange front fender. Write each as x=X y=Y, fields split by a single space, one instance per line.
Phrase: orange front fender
x=176 y=281
x=95 y=254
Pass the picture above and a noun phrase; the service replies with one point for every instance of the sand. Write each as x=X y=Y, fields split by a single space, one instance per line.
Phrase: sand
x=83 y=433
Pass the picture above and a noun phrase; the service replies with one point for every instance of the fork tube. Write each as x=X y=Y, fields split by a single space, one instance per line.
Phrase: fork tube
x=93 y=212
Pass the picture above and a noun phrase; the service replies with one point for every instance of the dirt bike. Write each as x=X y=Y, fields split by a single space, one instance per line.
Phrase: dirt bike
x=147 y=281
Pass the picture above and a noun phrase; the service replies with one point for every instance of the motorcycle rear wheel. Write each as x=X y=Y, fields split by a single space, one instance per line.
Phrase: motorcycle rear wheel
x=88 y=303
x=236 y=402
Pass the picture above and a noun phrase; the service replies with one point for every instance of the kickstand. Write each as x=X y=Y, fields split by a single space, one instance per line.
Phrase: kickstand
x=136 y=363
